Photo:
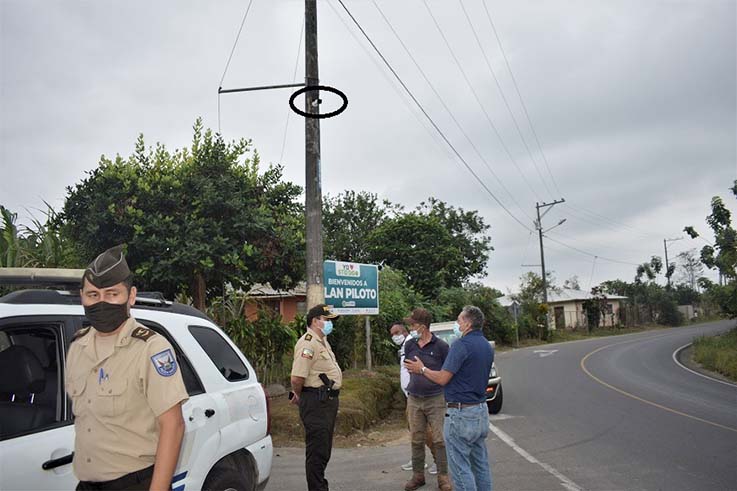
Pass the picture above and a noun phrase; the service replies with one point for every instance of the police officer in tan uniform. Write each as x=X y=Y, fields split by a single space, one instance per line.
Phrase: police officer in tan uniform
x=126 y=388
x=316 y=381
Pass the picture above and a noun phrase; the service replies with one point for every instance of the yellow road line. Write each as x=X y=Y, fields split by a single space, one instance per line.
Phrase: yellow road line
x=625 y=393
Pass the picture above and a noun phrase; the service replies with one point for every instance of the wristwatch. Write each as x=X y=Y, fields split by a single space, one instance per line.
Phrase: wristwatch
x=422 y=370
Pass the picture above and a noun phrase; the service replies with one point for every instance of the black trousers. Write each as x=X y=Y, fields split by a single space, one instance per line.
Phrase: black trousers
x=318 y=418
x=138 y=480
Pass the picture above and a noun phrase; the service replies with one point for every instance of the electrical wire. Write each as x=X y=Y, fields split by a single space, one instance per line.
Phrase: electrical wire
x=294 y=79
x=475 y=94
x=591 y=278
x=230 y=57
x=501 y=92
x=429 y=118
x=448 y=110
x=588 y=253
x=519 y=95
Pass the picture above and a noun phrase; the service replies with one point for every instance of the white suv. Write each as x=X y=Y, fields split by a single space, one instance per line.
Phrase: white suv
x=227 y=441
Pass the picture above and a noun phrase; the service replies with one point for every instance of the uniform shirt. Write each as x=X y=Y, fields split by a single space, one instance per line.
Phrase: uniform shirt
x=433 y=356
x=469 y=361
x=313 y=356
x=117 y=398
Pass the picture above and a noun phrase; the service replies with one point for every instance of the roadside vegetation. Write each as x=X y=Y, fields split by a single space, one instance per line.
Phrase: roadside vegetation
x=718 y=353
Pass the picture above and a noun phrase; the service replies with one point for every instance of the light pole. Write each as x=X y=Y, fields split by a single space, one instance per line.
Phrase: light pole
x=539 y=227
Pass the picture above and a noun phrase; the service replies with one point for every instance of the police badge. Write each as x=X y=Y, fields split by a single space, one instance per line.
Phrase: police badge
x=165 y=363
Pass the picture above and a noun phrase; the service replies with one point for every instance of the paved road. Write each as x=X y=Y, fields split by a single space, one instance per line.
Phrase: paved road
x=602 y=414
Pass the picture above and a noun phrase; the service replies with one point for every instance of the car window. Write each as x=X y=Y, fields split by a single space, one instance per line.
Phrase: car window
x=189 y=376
x=446 y=336
x=222 y=355
x=31 y=386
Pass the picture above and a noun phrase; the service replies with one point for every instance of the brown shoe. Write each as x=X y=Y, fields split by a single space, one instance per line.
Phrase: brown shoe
x=417 y=481
x=444 y=482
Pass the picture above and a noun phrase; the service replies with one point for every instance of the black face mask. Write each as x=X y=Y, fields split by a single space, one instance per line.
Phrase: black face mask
x=106 y=317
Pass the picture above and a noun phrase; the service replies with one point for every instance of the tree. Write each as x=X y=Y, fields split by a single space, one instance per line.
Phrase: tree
x=572 y=283
x=498 y=322
x=532 y=321
x=436 y=246
x=595 y=307
x=721 y=256
x=347 y=221
x=691 y=268
x=194 y=219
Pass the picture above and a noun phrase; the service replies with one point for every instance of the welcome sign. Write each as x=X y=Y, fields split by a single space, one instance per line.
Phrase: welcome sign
x=351 y=288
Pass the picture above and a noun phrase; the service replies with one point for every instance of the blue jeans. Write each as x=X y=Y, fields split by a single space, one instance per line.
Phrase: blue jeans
x=465 y=433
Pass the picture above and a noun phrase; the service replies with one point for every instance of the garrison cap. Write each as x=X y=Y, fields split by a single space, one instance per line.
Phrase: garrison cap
x=108 y=269
x=320 y=310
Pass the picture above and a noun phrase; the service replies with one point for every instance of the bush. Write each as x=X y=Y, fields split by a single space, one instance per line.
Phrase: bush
x=718 y=353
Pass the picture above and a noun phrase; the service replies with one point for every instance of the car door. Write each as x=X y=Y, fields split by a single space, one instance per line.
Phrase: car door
x=36 y=427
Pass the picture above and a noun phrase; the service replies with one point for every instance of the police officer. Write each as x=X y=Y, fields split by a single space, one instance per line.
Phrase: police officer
x=316 y=381
x=126 y=388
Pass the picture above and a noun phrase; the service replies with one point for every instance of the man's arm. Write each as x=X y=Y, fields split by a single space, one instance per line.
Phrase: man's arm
x=297 y=384
x=440 y=377
x=171 y=432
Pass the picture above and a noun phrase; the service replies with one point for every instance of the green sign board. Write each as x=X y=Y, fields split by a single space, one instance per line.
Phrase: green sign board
x=351 y=288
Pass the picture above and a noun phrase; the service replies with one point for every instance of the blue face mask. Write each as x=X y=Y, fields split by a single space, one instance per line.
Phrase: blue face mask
x=457 y=330
x=414 y=334
x=327 y=328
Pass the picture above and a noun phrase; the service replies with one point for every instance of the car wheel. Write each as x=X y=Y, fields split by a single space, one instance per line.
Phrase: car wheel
x=226 y=479
x=496 y=405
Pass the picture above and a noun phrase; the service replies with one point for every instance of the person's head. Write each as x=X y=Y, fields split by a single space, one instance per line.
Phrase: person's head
x=470 y=319
x=419 y=322
x=398 y=333
x=107 y=291
x=319 y=318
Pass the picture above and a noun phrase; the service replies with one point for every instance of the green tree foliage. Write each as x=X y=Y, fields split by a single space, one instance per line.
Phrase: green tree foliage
x=595 y=307
x=436 y=246
x=498 y=324
x=721 y=256
x=193 y=219
x=532 y=321
x=347 y=222
x=656 y=301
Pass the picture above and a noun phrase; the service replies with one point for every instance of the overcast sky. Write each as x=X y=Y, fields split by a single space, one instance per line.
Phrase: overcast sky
x=633 y=103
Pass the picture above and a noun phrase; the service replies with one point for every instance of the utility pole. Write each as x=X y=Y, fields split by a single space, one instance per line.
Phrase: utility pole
x=539 y=226
x=667 y=267
x=313 y=185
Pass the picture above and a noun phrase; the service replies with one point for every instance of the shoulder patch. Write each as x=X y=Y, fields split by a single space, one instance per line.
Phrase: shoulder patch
x=308 y=337
x=80 y=333
x=165 y=363
x=142 y=333
x=308 y=353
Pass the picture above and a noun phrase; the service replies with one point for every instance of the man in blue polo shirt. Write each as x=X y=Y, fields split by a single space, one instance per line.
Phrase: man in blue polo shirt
x=464 y=375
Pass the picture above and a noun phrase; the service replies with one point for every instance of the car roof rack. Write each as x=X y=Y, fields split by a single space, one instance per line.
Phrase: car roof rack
x=41 y=277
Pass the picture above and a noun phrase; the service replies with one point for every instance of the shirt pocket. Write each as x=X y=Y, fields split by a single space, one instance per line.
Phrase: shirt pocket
x=112 y=398
x=77 y=388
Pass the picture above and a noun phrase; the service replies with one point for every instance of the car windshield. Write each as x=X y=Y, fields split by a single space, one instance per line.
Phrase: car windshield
x=446 y=335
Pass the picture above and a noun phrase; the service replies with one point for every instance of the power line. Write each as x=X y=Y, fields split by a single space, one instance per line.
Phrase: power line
x=519 y=95
x=230 y=57
x=590 y=254
x=501 y=91
x=294 y=79
x=432 y=122
x=475 y=95
x=447 y=109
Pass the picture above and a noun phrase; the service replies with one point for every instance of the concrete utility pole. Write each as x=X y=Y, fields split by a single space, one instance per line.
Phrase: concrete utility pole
x=665 y=246
x=539 y=226
x=313 y=186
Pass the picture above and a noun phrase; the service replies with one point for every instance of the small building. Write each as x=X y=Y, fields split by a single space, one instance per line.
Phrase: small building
x=566 y=309
x=287 y=303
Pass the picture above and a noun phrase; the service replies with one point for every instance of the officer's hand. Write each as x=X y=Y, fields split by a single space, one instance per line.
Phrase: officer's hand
x=294 y=400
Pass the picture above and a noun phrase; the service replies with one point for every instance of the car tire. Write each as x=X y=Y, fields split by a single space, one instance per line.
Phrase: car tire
x=223 y=478
x=496 y=405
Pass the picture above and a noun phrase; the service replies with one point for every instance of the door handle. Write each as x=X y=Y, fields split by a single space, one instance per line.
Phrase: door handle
x=54 y=463
x=209 y=412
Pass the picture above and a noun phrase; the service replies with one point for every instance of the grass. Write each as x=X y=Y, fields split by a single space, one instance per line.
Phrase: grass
x=718 y=353
x=366 y=399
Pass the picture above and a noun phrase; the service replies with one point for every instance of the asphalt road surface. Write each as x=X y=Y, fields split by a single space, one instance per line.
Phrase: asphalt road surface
x=614 y=413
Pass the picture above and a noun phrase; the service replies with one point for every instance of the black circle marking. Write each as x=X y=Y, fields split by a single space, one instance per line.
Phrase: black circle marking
x=326 y=88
